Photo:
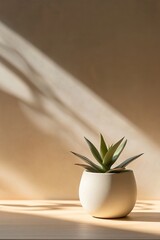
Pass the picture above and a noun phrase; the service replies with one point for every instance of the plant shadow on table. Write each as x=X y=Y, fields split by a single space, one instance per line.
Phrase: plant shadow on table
x=22 y=226
x=41 y=207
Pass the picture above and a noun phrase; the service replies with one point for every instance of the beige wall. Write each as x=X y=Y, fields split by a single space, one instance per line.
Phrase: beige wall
x=71 y=69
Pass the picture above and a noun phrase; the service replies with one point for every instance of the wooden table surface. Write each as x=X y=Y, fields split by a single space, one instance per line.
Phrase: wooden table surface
x=42 y=219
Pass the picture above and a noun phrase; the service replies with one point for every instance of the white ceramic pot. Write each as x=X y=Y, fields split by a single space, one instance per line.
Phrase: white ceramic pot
x=108 y=195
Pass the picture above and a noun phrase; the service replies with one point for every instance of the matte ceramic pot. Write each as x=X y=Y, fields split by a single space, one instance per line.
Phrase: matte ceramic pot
x=108 y=195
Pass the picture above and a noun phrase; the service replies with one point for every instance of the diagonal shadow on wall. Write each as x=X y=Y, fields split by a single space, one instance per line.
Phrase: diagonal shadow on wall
x=111 y=46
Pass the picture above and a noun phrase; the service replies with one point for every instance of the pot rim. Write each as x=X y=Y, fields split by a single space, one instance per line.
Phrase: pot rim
x=107 y=173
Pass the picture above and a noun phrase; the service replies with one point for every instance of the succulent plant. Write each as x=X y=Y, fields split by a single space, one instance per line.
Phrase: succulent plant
x=106 y=157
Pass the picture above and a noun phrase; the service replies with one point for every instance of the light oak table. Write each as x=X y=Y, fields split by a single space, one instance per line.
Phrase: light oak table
x=67 y=220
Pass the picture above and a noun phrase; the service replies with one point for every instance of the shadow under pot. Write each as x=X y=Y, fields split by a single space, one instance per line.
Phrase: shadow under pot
x=108 y=195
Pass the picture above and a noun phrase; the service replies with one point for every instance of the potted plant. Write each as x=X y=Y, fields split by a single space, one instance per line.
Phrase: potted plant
x=106 y=191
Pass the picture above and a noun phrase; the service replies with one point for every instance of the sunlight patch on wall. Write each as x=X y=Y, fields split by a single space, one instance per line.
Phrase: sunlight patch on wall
x=12 y=84
x=60 y=105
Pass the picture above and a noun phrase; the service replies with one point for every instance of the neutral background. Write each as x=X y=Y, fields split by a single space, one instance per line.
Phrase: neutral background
x=74 y=68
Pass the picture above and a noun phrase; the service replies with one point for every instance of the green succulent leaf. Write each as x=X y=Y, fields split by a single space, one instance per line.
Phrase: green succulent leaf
x=107 y=161
x=94 y=151
x=103 y=147
x=118 y=151
x=87 y=167
x=127 y=161
x=88 y=161
x=106 y=157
